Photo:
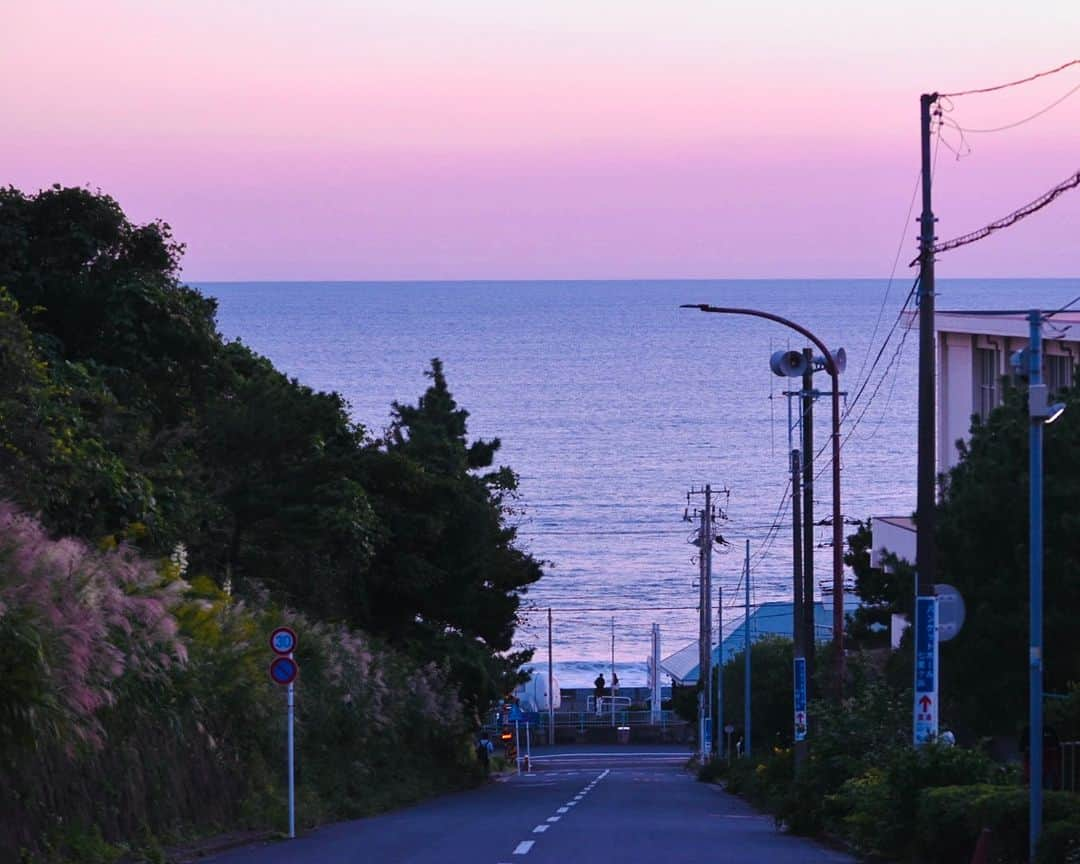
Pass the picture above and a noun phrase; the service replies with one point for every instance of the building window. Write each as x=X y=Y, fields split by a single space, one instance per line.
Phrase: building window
x=987 y=381
x=1059 y=372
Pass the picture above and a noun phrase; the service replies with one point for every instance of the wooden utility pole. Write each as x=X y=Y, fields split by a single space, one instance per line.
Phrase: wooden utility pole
x=925 y=551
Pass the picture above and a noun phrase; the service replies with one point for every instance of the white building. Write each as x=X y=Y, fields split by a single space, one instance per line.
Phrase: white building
x=973 y=366
x=973 y=363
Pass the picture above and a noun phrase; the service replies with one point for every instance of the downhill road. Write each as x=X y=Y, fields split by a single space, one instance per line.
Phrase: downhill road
x=597 y=805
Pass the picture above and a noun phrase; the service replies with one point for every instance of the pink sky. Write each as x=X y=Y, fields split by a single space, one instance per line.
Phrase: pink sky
x=457 y=139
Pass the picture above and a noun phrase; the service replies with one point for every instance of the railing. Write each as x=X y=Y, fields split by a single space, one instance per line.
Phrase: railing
x=582 y=720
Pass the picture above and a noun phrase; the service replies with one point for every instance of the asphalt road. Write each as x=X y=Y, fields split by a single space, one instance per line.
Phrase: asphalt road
x=595 y=805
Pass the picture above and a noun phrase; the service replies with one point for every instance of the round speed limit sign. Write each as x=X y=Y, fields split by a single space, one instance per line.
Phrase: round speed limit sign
x=283 y=641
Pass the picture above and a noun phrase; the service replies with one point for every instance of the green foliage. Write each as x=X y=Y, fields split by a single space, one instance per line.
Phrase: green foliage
x=1060 y=843
x=126 y=420
x=880 y=805
x=771 y=706
x=951 y=818
x=984 y=552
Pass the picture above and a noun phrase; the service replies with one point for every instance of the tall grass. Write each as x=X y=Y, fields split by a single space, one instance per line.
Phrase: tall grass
x=135 y=705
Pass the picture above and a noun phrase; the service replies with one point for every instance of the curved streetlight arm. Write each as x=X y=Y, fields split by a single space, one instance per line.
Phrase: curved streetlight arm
x=830 y=362
x=838 y=522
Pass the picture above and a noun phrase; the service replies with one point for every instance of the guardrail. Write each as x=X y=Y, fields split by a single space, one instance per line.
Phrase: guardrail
x=583 y=720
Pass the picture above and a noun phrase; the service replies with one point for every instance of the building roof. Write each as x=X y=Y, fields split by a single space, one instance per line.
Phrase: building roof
x=1006 y=322
x=769 y=619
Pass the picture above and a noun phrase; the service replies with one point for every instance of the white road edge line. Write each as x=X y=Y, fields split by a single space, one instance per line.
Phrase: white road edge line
x=523 y=847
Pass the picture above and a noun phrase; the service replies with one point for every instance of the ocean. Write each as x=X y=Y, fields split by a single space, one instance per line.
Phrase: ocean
x=611 y=402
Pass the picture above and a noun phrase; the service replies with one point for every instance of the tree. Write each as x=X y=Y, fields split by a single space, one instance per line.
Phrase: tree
x=983 y=551
x=447 y=574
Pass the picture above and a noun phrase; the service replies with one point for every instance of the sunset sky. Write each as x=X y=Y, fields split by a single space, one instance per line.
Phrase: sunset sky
x=457 y=139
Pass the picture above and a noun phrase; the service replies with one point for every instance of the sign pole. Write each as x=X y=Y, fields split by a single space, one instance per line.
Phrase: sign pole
x=292 y=786
x=926 y=669
x=517 y=746
x=283 y=671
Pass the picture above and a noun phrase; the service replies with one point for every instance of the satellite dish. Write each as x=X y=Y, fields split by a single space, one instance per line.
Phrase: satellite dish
x=951 y=611
x=789 y=364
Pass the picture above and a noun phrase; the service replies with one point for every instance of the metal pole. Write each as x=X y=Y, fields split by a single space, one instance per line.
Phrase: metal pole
x=718 y=726
x=528 y=749
x=657 y=693
x=1035 y=472
x=292 y=763
x=517 y=746
x=746 y=628
x=838 y=543
x=806 y=423
x=612 y=688
x=551 y=688
x=797 y=621
x=706 y=549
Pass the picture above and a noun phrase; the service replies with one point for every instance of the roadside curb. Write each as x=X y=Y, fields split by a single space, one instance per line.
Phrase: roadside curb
x=199 y=850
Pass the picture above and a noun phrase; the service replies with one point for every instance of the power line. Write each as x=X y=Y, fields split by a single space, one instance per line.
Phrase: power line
x=1016 y=123
x=1039 y=203
x=1016 y=83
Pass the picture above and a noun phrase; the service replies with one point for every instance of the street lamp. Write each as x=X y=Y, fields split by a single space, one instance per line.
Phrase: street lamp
x=1040 y=414
x=833 y=369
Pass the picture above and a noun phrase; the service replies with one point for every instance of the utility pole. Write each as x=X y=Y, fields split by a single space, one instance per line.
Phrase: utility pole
x=551 y=687
x=718 y=729
x=1039 y=414
x=746 y=643
x=612 y=670
x=925 y=708
x=806 y=422
x=705 y=540
x=799 y=682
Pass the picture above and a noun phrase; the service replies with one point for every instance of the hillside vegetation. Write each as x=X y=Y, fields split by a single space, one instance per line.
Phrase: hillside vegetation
x=171 y=497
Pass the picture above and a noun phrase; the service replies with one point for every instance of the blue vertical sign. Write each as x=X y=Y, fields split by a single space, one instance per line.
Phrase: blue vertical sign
x=926 y=669
x=800 y=698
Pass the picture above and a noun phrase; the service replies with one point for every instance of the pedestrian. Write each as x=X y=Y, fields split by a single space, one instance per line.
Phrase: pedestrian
x=484 y=749
x=614 y=682
x=599 y=684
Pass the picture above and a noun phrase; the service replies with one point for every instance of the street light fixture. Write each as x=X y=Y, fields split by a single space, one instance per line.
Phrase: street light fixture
x=832 y=366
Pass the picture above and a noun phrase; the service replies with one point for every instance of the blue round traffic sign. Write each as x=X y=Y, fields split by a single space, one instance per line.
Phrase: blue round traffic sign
x=283 y=640
x=283 y=670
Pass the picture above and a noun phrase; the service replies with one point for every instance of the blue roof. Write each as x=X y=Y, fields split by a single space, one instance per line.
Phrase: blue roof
x=768 y=619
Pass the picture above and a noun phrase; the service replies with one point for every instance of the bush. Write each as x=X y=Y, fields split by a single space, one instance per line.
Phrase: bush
x=1060 y=843
x=951 y=818
x=712 y=770
x=880 y=806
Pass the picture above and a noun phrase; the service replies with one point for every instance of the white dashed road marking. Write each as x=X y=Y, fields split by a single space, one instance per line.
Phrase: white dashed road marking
x=540 y=829
x=523 y=847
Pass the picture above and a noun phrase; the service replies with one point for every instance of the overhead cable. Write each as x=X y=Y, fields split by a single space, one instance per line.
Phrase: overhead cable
x=1016 y=83
x=1006 y=221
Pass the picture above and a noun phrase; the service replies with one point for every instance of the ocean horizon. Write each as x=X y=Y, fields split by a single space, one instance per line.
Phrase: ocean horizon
x=611 y=402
